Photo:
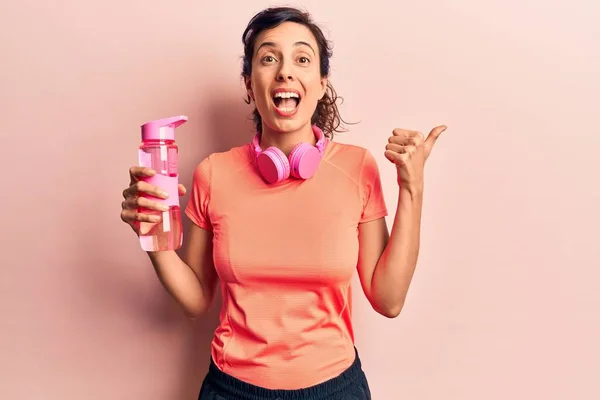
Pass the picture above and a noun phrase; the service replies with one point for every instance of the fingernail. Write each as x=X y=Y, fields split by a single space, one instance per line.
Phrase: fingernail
x=155 y=218
x=163 y=207
x=163 y=194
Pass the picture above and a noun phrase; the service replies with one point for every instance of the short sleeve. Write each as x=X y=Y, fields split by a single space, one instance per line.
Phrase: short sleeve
x=197 y=207
x=374 y=206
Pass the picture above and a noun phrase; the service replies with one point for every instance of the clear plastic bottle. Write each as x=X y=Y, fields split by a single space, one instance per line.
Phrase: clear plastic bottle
x=159 y=152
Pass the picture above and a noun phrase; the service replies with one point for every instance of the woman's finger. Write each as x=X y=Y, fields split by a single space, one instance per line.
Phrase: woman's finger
x=141 y=187
x=135 y=203
x=132 y=216
x=136 y=173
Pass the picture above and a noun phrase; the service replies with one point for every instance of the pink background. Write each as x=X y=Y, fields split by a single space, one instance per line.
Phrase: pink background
x=504 y=303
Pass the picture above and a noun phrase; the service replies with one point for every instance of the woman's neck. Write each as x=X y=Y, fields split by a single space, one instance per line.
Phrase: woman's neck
x=285 y=141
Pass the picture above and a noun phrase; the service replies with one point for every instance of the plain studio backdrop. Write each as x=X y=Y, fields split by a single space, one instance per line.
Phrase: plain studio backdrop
x=504 y=302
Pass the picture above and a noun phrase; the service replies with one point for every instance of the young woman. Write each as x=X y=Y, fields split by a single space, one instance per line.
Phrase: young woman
x=282 y=223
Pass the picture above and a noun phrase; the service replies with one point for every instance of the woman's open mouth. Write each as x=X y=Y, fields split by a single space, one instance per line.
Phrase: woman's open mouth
x=286 y=102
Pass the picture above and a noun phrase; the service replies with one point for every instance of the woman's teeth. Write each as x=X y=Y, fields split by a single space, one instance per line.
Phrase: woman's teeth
x=286 y=101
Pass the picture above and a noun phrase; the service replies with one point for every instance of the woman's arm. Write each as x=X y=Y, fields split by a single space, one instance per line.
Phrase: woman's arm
x=192 y=282
x=387 y=262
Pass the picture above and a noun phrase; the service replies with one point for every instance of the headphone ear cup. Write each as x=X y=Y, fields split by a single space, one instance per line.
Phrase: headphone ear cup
x=304 y=160
x=273 y=165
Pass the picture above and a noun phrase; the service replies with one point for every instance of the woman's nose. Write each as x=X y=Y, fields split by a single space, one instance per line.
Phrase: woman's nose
x=285 y=73
x=284 y=77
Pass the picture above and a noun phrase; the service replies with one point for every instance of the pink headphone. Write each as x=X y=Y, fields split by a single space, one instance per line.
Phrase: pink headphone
x=302 y=163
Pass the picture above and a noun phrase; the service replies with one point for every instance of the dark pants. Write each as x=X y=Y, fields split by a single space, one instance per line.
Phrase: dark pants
x=349 y=385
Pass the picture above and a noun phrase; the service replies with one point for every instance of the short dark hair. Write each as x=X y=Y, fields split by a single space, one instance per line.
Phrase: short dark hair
x=326 y=115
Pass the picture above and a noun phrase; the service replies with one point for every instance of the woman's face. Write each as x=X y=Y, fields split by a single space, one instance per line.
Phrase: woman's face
x=286 y=81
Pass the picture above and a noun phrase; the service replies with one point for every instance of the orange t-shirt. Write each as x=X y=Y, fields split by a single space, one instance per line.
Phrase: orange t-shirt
x=285 y=255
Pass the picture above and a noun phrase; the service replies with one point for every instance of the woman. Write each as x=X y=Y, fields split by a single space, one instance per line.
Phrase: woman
x=283 y=221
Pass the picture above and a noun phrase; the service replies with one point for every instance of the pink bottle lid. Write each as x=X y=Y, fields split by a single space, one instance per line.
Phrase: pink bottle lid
x=162 y=129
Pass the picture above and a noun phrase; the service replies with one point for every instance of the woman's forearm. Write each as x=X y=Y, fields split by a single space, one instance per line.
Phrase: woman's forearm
x=181 y=282
x=396 y=266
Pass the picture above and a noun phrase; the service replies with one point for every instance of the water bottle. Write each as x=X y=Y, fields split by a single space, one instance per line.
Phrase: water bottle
x=159 y=152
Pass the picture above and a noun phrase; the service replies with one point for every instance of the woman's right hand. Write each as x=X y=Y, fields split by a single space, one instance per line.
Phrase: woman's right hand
x=133 y=201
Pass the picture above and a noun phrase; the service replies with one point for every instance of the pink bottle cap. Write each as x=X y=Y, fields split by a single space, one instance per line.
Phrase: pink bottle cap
x=162 y=129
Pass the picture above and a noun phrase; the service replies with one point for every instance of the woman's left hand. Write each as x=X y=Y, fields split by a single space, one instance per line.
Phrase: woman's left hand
x=409 y=150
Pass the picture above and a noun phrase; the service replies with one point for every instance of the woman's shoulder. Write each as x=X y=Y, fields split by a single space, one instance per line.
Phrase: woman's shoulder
x=225 y=160
x=347 y=153
x=234 y=155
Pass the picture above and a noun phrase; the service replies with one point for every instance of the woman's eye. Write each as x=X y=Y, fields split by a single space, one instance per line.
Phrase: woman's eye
x=303 y=60
x=268 y=59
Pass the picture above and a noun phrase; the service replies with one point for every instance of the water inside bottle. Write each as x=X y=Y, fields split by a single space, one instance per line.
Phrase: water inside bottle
x=163 y=235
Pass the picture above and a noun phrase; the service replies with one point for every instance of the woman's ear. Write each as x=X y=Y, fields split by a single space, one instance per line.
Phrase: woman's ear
x=248 y=84
x=324 y=82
